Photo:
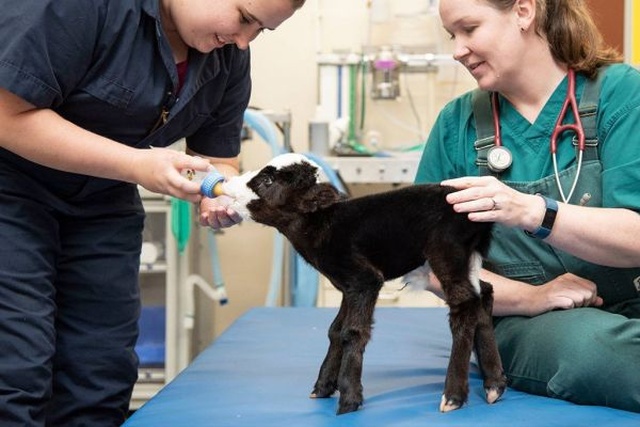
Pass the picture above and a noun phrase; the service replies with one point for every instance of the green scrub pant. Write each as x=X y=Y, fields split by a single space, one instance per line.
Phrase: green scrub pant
x=588 y=355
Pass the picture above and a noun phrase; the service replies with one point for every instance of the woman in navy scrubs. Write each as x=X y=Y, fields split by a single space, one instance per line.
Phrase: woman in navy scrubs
x=86 y=87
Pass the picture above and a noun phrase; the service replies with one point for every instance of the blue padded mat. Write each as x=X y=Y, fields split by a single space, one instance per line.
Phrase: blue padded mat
x=261 y=370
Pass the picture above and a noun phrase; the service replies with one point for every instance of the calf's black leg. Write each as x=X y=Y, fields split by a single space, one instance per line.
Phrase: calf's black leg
x=355 y=334
x=495 y=382
x=452 y=265
x=463 y=321
x=327 y=381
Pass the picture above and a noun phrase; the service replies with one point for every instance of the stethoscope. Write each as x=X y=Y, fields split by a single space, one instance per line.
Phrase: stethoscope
x=499 y=158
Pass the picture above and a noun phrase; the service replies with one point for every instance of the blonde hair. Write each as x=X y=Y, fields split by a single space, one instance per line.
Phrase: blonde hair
x=571 y=33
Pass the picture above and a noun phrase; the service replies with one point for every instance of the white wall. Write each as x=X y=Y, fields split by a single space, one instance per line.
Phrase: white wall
x=285 y=70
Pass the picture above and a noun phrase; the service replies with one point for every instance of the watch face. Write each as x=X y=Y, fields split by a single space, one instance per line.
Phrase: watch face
x=498 y=158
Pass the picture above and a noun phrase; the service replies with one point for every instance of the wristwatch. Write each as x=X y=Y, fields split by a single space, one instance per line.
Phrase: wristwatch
x=550 y=212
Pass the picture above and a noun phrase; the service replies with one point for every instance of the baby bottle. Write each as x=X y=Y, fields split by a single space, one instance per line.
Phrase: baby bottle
x=210 y=181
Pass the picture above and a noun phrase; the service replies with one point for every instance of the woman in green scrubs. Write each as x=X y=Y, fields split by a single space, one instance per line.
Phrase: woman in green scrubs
x=565 y=265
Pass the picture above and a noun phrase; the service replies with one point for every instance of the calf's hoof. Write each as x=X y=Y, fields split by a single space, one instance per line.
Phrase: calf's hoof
x=346 y=407
x=315 y=395
x=450 y=404
x=322 y=391
x=494 y=393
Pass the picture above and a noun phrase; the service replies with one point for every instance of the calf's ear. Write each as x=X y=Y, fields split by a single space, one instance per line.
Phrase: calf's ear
x=318 y=197
x=299 y=175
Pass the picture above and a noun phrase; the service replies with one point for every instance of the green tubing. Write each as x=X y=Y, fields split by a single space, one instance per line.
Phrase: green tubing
x=352 y=138
x=363 y=92
x=353 y=81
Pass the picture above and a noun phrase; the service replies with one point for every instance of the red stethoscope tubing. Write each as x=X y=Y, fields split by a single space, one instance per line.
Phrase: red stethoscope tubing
x=496 y=118
x=569 y=101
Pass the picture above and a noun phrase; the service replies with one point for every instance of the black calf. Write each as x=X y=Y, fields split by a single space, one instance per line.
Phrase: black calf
x=360 y=243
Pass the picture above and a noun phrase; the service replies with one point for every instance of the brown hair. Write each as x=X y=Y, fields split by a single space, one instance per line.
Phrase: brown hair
x=571 y=33
x=297 y=4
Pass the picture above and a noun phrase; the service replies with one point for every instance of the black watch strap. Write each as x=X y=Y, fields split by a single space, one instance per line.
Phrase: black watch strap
x=551 y=210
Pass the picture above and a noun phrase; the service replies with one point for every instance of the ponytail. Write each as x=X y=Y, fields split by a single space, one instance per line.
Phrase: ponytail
x=573 y=36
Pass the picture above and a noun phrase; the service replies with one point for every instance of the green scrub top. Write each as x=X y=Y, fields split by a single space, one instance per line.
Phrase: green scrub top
x=613 y=179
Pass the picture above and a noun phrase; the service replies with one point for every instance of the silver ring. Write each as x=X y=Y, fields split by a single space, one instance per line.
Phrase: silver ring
x=495 y=204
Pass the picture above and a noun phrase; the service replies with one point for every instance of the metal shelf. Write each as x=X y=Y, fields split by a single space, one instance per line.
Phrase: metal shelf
x=159 y=287
x=156 y=267
x=142 y=392
x=391 y=170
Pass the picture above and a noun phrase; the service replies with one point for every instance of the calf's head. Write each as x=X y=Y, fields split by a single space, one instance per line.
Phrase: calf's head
x=288 y=185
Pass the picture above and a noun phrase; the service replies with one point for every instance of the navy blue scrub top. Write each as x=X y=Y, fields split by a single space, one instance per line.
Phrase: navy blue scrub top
x=106 y=66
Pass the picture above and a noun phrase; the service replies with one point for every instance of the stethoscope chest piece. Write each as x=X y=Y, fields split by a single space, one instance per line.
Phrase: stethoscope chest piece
x=499 y=158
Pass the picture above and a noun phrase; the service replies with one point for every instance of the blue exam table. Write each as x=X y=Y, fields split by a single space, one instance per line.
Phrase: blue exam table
x=261 y=370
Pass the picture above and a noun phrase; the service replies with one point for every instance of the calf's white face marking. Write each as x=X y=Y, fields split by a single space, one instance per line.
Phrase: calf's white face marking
x=288 y=159
x=236 y=188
